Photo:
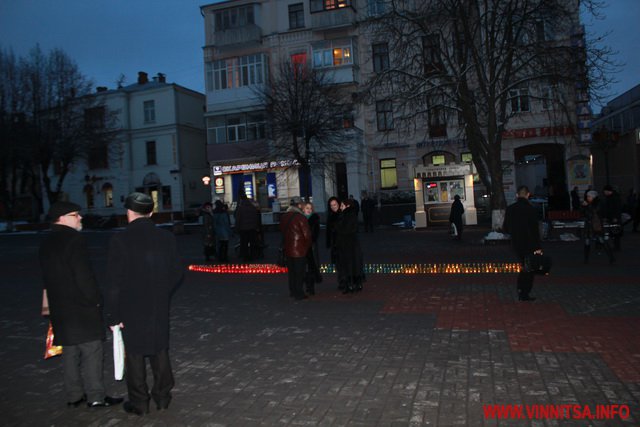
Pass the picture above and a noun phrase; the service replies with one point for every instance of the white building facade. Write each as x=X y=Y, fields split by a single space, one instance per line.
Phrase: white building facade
x=158 y=149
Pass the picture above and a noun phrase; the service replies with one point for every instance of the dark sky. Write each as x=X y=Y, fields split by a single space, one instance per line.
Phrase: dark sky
x=109 y=38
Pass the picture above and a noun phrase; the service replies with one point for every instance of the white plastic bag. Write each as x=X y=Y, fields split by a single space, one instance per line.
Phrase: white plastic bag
x=118 y=354
x=453 y=230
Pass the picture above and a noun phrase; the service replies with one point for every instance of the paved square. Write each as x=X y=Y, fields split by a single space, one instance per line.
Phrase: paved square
x=410 y=350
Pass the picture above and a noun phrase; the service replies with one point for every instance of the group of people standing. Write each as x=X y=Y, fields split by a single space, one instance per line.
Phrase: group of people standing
x=216 y=227
x=143 y=270
x=300 y=227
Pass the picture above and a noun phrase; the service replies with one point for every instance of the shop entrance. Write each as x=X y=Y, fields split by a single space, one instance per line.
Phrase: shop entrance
x=541 y=167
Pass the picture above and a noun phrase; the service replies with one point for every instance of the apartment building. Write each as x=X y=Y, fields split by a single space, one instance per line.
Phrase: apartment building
x=545 y=140
x=616 y=143
x=159 y=149
x=245 y=41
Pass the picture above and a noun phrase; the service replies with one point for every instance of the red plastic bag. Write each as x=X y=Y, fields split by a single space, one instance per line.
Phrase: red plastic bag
x=51 y=350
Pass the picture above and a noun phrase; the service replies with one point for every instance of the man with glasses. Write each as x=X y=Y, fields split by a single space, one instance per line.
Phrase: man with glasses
x=75 y=307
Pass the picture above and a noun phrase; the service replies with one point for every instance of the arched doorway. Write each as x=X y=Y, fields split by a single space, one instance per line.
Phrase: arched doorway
x=541 y=167
x=107 y=192
x=152 y=185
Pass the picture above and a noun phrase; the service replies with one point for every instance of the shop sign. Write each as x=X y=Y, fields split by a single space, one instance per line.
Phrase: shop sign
x=534 y=132
x=250 y=167
x=218 y=181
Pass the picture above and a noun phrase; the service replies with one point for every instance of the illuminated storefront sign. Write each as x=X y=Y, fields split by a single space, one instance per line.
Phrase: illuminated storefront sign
x=219 y=184
x=251 y=167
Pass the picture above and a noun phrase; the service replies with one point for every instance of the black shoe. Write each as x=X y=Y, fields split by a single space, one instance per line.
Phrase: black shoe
x=106 y=402
x=130 y=408
x=162 y=406
x=77 y=402
x=301 y=298
x=527 y=298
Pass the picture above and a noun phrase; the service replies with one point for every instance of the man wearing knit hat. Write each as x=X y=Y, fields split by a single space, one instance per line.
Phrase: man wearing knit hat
x=75 y=307
x=143 y=270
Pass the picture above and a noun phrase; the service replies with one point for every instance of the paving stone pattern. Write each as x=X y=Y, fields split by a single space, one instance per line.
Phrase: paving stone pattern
x=410 y=350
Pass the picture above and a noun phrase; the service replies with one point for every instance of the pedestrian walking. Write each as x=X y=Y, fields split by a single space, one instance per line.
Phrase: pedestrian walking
x=521 y=222
x=313 y=275
x=350 y=265
x=455 y=216
x=143 y=270
x=593 y=232
x=368 y=209
x=247 y=225
x=296 y=243
x=75 y=307
x=209 y=234
x=222 y=227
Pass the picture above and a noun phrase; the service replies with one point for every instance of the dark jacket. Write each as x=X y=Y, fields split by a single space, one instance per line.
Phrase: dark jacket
x=221 y=224
x=457 y=210
x=314 y=225
x=247 y=216
x=610 y=208
x=593 y=225
x=350 y=263
x=143 y=270
x=521 y=222
x=74 y=297
x=209 y=237
x=332 y=221
x=296 y=233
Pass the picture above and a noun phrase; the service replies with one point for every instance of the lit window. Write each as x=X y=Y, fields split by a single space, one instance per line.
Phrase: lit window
x=438 y=159
x=388 y=173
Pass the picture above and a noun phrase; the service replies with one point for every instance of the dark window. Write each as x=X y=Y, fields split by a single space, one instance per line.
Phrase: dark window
x=296 y=16
x=151 y=153
x=519 y=100
x=437 y=122
x=234 y=18
x=384 y=115
x=431 y=53
x=98 y=157
x=380 y=57
x=94 y=118
x=166 y=197
x=149 y=111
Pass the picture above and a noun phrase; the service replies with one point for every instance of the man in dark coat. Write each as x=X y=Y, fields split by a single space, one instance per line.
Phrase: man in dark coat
x=297 y=241
x=521 y=222
x=455 y=216
x=248 y=226
x=611 y=212
x=143 y=271
x=75 y=307
x=368 y=209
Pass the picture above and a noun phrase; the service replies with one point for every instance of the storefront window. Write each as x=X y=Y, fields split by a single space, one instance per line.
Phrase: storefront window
x=438 y=159
x=444 y=191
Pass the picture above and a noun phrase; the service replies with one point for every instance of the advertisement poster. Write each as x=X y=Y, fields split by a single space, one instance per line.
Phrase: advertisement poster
x=579 y=172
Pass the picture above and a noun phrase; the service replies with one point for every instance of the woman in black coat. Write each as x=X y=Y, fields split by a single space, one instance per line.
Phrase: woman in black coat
x=350 y=264
x=455 y=217
x=333 y=216
x=313 y=275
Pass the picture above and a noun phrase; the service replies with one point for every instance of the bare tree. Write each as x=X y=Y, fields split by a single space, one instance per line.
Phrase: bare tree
x=306 y=116
x=475 y=59
x=68 y=122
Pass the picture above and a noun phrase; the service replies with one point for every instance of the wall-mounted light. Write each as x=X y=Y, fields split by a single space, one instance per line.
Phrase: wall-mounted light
x=206 y=180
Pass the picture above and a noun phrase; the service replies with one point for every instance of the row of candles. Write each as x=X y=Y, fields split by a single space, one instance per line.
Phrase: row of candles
x=399 y=268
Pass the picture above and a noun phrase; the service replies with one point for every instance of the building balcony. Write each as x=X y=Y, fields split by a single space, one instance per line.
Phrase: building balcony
x=248 y=34
x=333 y=18
x=342 y=75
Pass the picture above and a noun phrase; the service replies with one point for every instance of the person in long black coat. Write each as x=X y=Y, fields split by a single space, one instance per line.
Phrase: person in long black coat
x=333 y=216
x=75 y=307
x=455 y=216
x=313 y=275
x=521 y=222
x=143 y=271
x=350 y=263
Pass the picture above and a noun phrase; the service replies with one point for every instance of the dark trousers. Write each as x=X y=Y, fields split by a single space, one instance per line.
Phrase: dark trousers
x=297 y=270
x=82 y=365
x=368 y=223
x=248 y=243
x=525 y=283
x=223 y=250
x=136 y=375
